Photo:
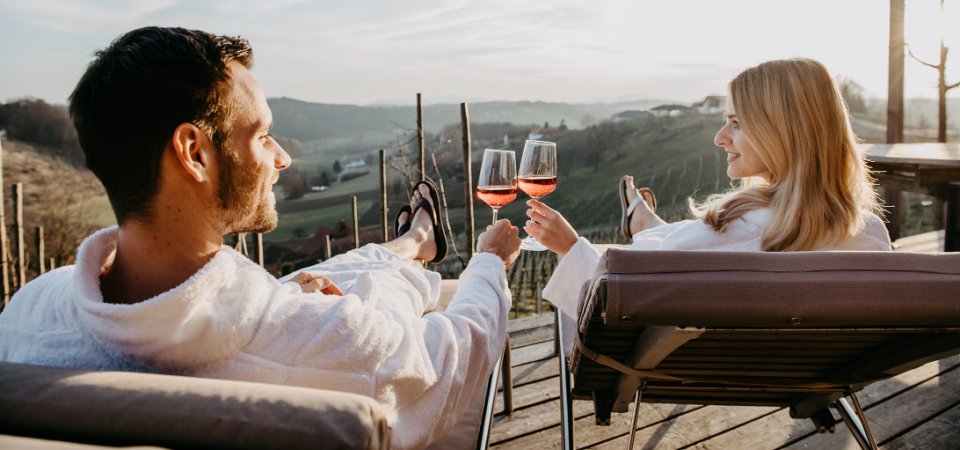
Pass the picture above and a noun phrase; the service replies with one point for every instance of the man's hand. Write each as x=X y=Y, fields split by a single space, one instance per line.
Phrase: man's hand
x=311 y=282
x=501 y=239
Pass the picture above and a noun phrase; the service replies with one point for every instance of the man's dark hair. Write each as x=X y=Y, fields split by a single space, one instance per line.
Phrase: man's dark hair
x=134 y=95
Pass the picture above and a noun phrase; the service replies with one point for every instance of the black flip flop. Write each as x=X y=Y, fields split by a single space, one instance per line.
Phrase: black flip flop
x=400 y=229
x=435 y=211
x=627 y=209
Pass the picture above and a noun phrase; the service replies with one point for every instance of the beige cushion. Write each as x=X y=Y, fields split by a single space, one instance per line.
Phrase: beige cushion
x=122 y=408
x=805 y=289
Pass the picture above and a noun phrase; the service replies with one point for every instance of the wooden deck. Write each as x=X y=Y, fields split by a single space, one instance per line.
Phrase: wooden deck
x=919 y=409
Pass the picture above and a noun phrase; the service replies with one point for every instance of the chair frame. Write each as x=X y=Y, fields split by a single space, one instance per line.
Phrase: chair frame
x=708 y=364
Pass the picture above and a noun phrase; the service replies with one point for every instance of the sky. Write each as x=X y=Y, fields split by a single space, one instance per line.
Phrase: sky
x=385 y=51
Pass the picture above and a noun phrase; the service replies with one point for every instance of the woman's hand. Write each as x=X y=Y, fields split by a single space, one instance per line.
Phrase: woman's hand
x=311 y=282
x=550 y=228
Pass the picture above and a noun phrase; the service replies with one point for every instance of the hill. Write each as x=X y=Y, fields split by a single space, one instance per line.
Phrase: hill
x=339 y=123
x=67 y=201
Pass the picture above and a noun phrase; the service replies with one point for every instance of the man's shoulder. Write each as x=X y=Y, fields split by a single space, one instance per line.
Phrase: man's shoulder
x=55 y=280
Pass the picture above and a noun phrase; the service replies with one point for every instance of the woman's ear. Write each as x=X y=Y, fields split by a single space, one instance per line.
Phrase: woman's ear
x=193 y=151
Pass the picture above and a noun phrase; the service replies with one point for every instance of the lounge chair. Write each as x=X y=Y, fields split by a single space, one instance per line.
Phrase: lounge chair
x=800 y=330
x=45 y=406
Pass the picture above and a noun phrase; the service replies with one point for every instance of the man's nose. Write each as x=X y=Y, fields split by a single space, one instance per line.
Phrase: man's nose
x=283 y=160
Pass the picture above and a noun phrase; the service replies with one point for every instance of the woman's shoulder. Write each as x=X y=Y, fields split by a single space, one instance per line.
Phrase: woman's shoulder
x=872 y=236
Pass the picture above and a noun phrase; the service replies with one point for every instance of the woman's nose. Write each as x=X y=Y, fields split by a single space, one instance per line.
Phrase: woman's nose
x=722 y=139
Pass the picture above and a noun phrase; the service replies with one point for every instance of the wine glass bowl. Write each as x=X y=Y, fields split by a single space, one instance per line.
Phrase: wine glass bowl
x=538 y=177
x=497 y=184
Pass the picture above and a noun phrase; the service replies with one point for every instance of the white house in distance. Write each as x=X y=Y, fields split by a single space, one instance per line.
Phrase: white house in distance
x=624 y=116
x=355 y=164
x=712 y=104
x=670 y=110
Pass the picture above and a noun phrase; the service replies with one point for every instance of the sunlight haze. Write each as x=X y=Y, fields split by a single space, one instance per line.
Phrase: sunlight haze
x=378 y=51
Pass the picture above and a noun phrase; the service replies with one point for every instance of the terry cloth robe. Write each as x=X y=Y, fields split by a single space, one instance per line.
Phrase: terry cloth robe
x=742 y=235
x=233 y=320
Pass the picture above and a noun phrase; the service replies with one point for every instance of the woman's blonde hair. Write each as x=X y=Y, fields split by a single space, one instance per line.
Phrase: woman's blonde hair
x=792 y=113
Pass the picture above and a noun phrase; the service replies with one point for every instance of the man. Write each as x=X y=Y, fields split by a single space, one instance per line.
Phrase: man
x=178 y=131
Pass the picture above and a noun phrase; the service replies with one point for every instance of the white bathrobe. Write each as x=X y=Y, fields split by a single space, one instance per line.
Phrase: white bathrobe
x=742 y=235
x=233 y=320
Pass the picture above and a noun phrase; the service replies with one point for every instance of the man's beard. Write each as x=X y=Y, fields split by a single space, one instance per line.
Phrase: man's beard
x=244 y=206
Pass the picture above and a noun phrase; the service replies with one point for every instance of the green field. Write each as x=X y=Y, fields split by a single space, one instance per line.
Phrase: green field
x=676 y=158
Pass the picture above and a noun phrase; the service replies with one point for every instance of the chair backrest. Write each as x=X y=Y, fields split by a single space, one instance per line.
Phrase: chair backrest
x=779 y=329
x=122 y=408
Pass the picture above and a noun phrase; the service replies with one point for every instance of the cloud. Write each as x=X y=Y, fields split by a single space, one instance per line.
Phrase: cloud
x=76 y=17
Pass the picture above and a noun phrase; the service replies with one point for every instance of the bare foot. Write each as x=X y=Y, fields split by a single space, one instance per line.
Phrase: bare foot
x=643 y=216
x=421 y=228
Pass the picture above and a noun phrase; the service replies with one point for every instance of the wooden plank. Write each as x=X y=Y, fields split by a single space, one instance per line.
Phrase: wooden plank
x=779 y=428
x=896 y=413
x=941 y=432
x=587 y=433
x=533 y=419
x=536 y=371
x=687 y=429
x=536 y=421
x=523 y=323
x=531 y=336
x=531 y=353
x=718 y=427
x=533 y=393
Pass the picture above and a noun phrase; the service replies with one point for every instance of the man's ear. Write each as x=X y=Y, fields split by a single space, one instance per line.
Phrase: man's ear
x=193 y=151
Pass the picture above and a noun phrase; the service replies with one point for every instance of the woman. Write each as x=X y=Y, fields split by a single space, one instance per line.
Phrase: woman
x=803 y=185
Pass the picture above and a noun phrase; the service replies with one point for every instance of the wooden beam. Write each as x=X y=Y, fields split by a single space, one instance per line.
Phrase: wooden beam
x=259 y=249
x=383 y=196
x=18 y=239
x=420 y=143
x=356 y=222
x=3 y=237
x=467 y=179
x=41 y=261
x=895 y=74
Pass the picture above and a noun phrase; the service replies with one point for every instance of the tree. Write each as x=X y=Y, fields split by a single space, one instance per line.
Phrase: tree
x=290 y=145
x=605 y=137
x=291 y=180
x=942 y=86
x=324 y=178
x=852 y=94
x=563 y=125
x=337 y=168
x=38 y=122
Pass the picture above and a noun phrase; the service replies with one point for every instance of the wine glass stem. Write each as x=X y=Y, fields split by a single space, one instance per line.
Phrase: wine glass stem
x=495 y=214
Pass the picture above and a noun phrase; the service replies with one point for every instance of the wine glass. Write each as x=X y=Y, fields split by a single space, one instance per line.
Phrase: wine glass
x=538 y=177
x=497 y=185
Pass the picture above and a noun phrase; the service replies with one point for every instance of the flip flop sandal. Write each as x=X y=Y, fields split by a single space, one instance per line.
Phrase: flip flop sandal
x=628 y=207
x=435 y=211
x=400 y=229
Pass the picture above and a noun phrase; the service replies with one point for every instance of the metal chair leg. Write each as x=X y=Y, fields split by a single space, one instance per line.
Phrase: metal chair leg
x=483 y=439
x=856 y=422
x=636 y=414
x=566 y=401
x=507 y=379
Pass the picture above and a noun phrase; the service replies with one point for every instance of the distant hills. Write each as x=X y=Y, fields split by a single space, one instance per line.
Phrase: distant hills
x=321 y=121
